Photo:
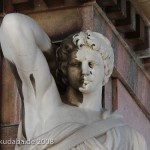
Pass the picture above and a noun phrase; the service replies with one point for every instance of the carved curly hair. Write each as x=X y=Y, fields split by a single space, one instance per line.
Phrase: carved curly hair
x=95 y=41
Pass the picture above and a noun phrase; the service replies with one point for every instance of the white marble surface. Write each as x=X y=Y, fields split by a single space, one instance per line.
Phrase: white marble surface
x=46 y=117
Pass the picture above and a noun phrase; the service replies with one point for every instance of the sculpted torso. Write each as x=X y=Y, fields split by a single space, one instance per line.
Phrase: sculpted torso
x=75 y=120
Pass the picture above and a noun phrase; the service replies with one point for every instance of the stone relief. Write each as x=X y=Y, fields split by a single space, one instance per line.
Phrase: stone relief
x=75 y=119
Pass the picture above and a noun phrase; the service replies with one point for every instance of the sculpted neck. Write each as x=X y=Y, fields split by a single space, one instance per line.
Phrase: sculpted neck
x=91 y=101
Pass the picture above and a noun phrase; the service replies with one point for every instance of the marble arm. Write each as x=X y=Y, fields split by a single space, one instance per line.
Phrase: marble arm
x=23 y=41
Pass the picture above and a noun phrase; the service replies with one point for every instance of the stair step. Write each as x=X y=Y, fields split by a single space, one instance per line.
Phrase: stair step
x=117 y=11
x=120 y=4
x=147 y=69
x=137 y=44
x=140 y=47
x=134 y=41
x=146 y=62
x=144 y=37
x=143 y=30
x=143 y=53
x=136 y=33
x=128 y=23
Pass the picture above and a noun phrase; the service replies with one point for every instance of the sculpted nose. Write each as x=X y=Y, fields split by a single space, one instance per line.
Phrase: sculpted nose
x=85 y=68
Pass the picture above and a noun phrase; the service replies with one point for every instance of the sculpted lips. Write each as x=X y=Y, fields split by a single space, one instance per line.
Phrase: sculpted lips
x=85 y=82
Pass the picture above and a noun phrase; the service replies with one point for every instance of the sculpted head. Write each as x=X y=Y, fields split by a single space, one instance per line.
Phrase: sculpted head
x=85 y=61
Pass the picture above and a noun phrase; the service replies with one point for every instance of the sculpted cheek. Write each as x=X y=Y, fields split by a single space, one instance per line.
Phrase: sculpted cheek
x=74 y=72
x=74 y=75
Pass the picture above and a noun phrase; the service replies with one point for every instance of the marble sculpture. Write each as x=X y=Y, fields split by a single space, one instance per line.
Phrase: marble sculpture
x=75 y=120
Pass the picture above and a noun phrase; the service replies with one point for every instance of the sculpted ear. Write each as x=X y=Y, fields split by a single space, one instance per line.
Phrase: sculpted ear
x=108 y=68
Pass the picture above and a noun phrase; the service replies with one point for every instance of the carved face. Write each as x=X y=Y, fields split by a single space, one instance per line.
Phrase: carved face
x=85 y=70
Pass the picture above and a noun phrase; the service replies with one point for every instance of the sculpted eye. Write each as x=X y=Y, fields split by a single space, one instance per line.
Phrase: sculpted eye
x=91 y=65
x=75 y=64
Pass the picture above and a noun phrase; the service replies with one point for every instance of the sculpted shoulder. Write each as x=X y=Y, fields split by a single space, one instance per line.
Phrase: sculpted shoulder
x=15 y=19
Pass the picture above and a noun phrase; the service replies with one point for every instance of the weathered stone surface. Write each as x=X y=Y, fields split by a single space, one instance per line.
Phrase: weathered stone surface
x=7 y=136
x=10 y=102
x=107 y=96
x=59 y=24
x=132 y=112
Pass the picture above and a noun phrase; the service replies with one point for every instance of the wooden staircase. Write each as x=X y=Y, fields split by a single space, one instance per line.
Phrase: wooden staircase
x=131 y=25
